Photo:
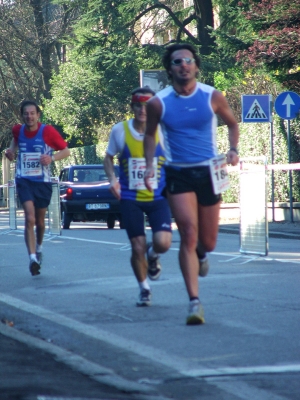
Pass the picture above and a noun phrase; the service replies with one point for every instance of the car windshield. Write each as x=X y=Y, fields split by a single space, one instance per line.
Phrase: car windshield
x=90 y=175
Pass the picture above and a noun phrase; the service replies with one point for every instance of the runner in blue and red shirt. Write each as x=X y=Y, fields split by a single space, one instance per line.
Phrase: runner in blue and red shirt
x=34 y=143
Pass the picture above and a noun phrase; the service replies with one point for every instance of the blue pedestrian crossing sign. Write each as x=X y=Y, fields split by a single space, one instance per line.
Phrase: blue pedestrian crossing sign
x=256 y=108
x=287 y=105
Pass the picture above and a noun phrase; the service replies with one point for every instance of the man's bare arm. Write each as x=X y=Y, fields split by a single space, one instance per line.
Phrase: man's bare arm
x=154 y=110
x=110 y=172
x=46 y=159
x=10 y=152
x=221 y=107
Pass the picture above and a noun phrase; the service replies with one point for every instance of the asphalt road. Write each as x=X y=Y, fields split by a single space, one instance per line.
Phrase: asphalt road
x=74 y=331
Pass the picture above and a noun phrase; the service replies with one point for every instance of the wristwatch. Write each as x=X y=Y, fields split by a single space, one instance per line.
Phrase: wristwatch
x=234 y=149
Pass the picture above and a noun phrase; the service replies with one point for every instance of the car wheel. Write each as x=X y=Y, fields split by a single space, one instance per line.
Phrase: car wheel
x=66 y=220
x=111 y=221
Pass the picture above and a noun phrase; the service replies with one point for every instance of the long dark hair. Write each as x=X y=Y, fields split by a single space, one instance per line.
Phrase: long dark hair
x=178 y=46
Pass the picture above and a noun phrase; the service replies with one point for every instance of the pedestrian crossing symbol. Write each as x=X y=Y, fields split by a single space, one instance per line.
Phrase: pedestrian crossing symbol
x=256 y=111
x=256 y=108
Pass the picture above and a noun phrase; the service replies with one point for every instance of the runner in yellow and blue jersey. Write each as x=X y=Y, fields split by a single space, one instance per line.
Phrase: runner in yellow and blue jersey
x=126 y=142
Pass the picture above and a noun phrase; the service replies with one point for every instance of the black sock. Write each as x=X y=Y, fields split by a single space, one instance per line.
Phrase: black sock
x=201 y=253
x=194 y=298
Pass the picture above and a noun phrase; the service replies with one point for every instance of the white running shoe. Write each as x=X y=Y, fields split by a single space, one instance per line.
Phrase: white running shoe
x=39 y=257
x=203 y=266
x=196 y=313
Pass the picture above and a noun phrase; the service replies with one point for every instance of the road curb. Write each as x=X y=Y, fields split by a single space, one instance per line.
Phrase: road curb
x=78 y=363
x=278 y=235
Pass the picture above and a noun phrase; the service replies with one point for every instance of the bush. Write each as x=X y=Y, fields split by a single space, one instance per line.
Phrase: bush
x=255 y=141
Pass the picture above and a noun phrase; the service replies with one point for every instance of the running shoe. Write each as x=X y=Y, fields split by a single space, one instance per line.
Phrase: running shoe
x=203 y=266
x=34 y=267
x=154 y=266
x=196 y=313
x=144 y=298
x=39 y=257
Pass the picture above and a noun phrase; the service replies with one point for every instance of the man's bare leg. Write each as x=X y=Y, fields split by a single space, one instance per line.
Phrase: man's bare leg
x=138 y=260
x=208 y=223
x=184 y=207
x=40 y=214
x=29 y=234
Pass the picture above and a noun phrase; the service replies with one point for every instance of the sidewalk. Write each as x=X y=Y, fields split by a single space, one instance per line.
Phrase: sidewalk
x=280 y=229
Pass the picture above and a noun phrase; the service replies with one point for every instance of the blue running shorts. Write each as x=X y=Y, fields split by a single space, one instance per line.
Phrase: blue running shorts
x=38 y=192
x=157 y=211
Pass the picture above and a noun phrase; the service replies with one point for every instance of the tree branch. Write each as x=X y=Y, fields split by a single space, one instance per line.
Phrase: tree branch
x=171 y=14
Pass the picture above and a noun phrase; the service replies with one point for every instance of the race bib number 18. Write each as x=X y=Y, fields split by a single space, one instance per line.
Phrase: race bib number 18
x=219 y=174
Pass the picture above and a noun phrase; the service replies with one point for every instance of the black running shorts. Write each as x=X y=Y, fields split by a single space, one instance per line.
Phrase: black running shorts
x=192 y=179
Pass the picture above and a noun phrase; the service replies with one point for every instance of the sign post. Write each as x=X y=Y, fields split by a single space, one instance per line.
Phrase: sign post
x=258 y=108
x=287 y=106
x=156 y=79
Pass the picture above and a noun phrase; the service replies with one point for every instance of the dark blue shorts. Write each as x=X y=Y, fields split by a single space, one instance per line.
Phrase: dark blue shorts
x=192 y=179
x=133 y=216
x=38 y=192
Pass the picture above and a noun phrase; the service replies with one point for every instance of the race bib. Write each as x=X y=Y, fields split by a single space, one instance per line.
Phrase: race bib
x=137 y=167
x=30 y=164
x=219 y=174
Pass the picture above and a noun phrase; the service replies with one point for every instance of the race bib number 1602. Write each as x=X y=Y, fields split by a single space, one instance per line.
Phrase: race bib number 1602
x=137 y=167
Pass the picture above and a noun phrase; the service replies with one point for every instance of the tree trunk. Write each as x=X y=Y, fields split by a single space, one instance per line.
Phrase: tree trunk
x=204 y=11
x=44 y=45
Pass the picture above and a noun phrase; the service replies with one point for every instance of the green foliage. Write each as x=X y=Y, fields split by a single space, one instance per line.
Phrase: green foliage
x=234 y=82
x=261 y=34
x=93 y=154
x=254 y=142
x=108 y=49
x=84 y=103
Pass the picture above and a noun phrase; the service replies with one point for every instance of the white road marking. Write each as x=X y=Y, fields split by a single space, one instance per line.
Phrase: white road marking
x=93 y=241
x=126 y=246
x=233 y=256
x=245 y=391
x=153 y=354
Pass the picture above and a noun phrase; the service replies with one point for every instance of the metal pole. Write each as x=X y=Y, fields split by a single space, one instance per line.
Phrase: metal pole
x=290 y=172
x=272 y=172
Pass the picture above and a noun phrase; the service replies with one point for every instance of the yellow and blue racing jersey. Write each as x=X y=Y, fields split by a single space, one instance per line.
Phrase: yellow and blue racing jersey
x=132 y=165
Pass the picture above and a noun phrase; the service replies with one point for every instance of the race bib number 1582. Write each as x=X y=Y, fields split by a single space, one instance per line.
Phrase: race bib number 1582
x=30 y=164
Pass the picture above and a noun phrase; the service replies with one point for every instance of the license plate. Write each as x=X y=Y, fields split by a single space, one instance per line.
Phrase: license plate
x=97 y=206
